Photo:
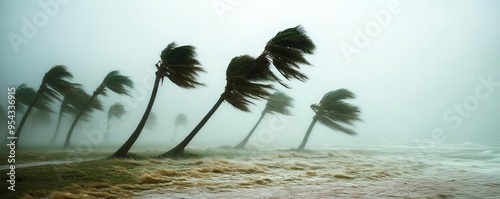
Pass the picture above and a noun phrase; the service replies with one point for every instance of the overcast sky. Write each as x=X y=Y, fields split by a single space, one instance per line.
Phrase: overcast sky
x=417 y=67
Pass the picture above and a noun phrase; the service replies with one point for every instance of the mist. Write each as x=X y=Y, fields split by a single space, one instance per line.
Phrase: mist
x=427 y=70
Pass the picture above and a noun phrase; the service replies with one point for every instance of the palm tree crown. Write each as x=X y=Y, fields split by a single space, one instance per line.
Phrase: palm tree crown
x=332 y=110
x=179 y=64
x=279 y=102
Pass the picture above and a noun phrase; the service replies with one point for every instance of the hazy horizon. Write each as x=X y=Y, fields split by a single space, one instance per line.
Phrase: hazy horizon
x=422 y=75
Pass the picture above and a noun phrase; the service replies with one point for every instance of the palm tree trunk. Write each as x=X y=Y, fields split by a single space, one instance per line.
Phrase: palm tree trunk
x=123 y=150
x=57 y=128
x=70 y=132
x=304 y=141
x=25 y=116
x=106 y=136
x=244 y=141
x=180 y=147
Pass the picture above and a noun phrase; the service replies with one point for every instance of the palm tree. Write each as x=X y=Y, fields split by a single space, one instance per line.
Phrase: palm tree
x=54 y=84
x=180 y=120
x=152 y=121
x=25 y=96
x=117 y=110
x=285 y=51
x=72 y=103
x=115 y=82
x=180 y=66
x=280 y=103
x=332 y=111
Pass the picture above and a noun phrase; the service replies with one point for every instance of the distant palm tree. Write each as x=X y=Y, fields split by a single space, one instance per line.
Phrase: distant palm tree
x=152 y=121
x=285 y=51
x=117 y=110
x=179 y=65
x=54 y=84
x=280 y=103
x=331 y=111
x=180 y=120
x=72 y=103
x=115 y=82
x=40 y=117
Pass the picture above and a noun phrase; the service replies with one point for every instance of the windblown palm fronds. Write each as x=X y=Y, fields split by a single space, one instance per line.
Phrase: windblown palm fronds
x=333 y=112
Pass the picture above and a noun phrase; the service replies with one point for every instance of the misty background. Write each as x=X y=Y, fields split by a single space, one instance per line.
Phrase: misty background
x=427 y=60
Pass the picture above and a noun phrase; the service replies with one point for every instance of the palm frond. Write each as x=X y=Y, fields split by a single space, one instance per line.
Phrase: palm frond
x=332 y=110
x=240 y=90
x=117 y=83
x=181 y=119
x=74 y=101
x=55 y=83
x=279 y=102
x=117 y=110
x=25 y=96
x=286 y=51
x=180 y=65
x=335 y=126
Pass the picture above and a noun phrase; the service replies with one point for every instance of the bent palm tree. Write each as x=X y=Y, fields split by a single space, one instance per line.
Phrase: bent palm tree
x=54 y=84
x=115 y=82
x=179 y=65
x=331 y=111
x=117 y=110
x=285 y=51
x=279 y=102
x=72 y=103
x=151 y=123
x=180 y=120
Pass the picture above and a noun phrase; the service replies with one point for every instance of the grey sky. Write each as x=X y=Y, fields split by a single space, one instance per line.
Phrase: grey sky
x=428 y=58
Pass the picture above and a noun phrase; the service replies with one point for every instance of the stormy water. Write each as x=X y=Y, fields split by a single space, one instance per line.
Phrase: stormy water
x=385 y=170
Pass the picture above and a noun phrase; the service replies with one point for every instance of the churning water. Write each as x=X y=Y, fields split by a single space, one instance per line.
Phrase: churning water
x=390 y=170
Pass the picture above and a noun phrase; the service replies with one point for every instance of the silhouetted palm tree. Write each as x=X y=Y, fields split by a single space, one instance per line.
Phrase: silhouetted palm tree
x=152 y=121
x=117 y=110
x=332 y=111
x=25 y=96
x=54 y=84
x=180 y=120
x=179 y=65
x=285 y=51
x=115 y=82
x=72 y=103
x=280 y=103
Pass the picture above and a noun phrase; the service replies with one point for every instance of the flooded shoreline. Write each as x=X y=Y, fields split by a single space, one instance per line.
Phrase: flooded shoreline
x=389 y=171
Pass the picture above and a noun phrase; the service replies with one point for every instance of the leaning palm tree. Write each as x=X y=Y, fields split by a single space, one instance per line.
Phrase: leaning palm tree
x=244 y=75
x=74 y=101
x=180 y=66
x=54 y=84
x=279 y=102
x=152 y=121
x=117 y=110
x=115 y=82
x=332 y=111
x=25 y=96
x=180 y=120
